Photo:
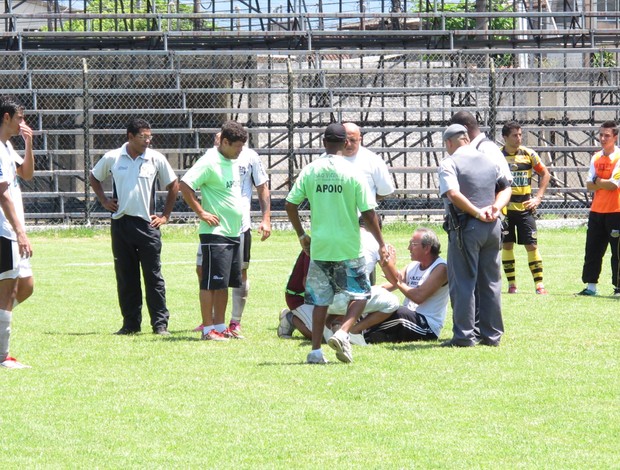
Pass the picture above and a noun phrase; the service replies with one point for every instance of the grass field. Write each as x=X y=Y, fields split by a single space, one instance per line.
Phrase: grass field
x=549 y=397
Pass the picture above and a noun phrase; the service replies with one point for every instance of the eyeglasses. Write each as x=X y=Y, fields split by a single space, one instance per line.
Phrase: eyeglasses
x=414 y=243
x=145 y=136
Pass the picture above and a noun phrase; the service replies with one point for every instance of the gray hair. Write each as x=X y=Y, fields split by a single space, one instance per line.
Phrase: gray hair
x=429 y=238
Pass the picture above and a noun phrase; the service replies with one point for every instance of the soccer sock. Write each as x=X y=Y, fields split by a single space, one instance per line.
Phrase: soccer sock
x=536 y=266
x=239 y=298
x=220 y=327
x=5 y=333
x=508 y=261
x=206 y=329
x=592 y=286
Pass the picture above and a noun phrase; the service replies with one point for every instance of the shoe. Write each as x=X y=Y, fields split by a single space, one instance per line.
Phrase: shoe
x=198 y=328
x=126 y=331
x=161 y=331
x=587 y=292
x=486 y=342
x=286 y=327
x=213 y=335
x=451 y=344
x=541 y=291
x=357 y=339
x=339 y=342
x=512 y=289
x=12 y=363
x=617 y=292
x=316 y=357
x=234 y=329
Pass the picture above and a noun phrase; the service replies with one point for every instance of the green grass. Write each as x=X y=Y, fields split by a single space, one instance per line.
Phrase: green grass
x=549 y=397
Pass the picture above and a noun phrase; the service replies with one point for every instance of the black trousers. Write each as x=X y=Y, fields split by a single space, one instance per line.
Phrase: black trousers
x=135 y=245
x=603 y=230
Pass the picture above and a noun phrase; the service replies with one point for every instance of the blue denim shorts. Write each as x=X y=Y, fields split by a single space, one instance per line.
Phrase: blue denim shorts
x=327 y=278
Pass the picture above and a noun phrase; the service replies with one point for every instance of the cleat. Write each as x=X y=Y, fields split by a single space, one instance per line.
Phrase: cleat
x=198 y=328
x=587 y=292
x=12 y=363
x=286 y=328
x=617 y=292
x=541 y=291
x=235 y=330
x=213 y=335
x=512 y=289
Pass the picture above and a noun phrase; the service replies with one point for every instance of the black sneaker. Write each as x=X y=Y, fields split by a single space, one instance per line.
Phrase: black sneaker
x=617 y=292
x=161 y=331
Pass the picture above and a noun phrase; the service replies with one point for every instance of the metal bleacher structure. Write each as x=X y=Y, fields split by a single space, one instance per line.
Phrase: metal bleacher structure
x=285 y=69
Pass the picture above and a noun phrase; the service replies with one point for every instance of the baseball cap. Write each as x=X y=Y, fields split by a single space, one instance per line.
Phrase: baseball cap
x=335 y=132
x=454 y=130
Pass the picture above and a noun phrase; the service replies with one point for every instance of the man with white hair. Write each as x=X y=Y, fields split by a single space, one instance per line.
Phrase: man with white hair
x=367 y=162
x=474 y=190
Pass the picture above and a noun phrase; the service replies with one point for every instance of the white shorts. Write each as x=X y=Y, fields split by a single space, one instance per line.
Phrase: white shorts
x=304 y=313
x=381 y=300
x=10 y=259
x=25 y=268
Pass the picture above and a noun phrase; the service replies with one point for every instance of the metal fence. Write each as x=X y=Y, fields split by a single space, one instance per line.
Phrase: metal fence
x=79 y=104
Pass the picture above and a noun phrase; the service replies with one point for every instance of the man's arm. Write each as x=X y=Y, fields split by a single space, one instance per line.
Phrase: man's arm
x=461 y=202
x=171 y=197
x=545 y=178
x=436 y=279
x=600 y=183
x=6 y=203
x=109 y=204
x=189 y=195
x=372 y=225
x=292 y=210
x=264 y=201
x=26 y=169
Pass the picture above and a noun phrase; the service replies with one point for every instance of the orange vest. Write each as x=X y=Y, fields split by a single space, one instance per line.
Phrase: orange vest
x=606 y=201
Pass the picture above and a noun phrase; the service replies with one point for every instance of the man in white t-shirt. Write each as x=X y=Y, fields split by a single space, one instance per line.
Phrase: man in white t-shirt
x=367 y=162
x=14 y=244
x=424 y=282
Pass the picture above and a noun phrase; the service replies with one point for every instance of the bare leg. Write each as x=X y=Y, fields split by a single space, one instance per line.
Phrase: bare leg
x=354 y=311
x=369 y=321
x=297 y=323
x=318 y=324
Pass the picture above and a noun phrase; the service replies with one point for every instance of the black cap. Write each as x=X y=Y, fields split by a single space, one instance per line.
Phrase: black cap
x=335 y=132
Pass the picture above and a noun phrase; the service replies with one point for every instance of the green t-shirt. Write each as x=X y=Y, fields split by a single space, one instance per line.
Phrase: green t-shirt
x=335 y=191
x=219 y=183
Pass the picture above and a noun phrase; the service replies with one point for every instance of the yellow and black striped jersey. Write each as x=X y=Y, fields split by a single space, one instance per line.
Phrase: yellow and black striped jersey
x=522 y=164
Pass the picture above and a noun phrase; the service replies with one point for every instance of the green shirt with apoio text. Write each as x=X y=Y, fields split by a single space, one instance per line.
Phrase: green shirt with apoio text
x=218 y=180
x=335 y=191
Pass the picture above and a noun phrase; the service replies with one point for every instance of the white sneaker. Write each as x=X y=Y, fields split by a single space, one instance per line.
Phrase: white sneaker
x=316 y=357
x=357 y=339
x=339 y=342
x=12 y=363
x=286 y=327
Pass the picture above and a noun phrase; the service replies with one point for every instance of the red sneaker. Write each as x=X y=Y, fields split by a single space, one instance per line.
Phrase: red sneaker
x=235 y=330
x=512 y=289
x=12 y=363
x=213 y=335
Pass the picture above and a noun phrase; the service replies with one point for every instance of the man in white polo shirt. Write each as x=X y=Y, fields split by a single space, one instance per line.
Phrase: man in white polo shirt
x=136 y=239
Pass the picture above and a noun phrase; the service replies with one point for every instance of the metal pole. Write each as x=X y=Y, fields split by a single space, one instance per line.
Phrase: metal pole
x=86 y=124
x=290 y=125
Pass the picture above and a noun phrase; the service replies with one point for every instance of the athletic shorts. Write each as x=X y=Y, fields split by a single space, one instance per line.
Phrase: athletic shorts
x=304 y=313
x=524 y=224
x=245 y=246
x=327 y=278
x=381 y=300
x=221 y=263
x=402 y=326
x=9 y=259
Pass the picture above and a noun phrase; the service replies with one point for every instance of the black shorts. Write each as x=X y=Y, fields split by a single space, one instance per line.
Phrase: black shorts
x=221 y=262
x=9 y=258
x=246 y=246
x=402 y=326
x=524 y=224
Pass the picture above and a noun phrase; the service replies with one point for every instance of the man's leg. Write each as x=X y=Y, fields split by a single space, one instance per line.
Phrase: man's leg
x=535 y=263
x=7 y=291
x=240 y=294
x=612 y=221
x=489 y=286
x=154 y=285
x=213 y=301
x=508 y=262
x=596 y=236
x=127 y=269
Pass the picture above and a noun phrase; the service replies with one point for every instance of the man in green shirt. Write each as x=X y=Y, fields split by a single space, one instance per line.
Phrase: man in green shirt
x=217 y=177
x=335 y=192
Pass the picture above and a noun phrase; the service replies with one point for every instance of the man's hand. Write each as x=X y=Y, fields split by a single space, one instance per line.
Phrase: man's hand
x=25 y=131
x=532 y=203
x=209 y=218
x=157 y=221
x=265 y=230
x=305 y=241
x=384 y=255
x=25 y=248
x=110 y=203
